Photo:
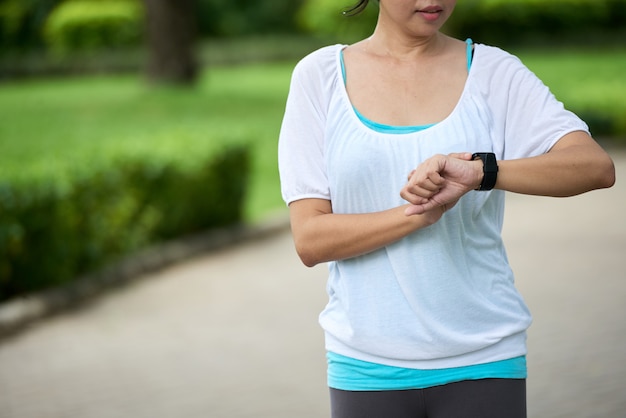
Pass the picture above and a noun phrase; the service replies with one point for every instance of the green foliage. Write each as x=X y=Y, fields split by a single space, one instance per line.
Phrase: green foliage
x=487 y=21
x=534 y=21
x=35 y=236
x=50 y=234
x=325 y=17
x=12 y=14
x=21 y=22
x=94 y=24
x=235 y=18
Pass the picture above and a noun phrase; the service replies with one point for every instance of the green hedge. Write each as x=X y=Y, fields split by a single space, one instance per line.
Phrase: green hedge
x=487 y=21
x=50 y=234
x=77 y=25
x=511 y=22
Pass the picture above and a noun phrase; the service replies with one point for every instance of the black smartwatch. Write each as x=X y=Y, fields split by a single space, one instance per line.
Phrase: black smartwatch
x=490 y=169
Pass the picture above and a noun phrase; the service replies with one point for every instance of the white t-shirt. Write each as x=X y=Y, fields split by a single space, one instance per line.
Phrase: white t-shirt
x=444 y=295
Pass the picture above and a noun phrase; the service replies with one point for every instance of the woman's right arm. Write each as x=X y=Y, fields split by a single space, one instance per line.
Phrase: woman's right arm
x=321 y=235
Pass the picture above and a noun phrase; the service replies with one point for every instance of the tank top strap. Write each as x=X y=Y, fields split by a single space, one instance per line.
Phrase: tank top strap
x=470 y=52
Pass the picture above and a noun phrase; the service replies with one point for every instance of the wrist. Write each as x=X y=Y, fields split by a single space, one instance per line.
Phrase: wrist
x=478 y=174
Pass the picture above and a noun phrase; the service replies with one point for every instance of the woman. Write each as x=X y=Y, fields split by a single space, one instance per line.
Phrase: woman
x=423 y=318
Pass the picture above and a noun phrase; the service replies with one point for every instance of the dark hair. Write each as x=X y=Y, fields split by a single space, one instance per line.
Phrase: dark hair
x=356 y=8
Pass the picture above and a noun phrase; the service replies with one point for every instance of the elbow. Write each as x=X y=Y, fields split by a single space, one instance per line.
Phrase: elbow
x=608 y=181
x=606 y=174
x=599 y=173
x=308 y=259
x=309 y=262
x=307 y=255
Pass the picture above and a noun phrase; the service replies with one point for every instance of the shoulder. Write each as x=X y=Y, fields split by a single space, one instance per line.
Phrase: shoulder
x=499 y=70
x=492 y=57
x=321 y=62
x=322 y=56
x=316 y=74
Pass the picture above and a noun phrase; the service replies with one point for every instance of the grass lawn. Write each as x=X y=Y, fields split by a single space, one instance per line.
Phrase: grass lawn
x=50 y=126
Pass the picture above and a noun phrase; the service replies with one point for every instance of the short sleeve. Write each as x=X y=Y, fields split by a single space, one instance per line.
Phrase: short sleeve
x=532 y=120
x=301 y=159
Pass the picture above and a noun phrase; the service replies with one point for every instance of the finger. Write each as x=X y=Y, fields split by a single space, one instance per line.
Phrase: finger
x=435 y=178
x=467 y=156
x=425 y=188
x=412 y=198
x=418 y=195
x=432 y=183
x=414 y=210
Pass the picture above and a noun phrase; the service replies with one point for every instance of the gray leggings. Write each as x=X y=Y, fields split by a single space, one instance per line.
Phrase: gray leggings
x=486 y=398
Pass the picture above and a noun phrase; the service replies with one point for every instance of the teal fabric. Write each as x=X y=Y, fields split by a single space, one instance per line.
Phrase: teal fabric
x=346 y=373
x=390 y=129
x=469 y=53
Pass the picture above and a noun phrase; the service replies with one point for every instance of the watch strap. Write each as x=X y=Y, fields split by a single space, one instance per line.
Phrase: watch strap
x=490 y=169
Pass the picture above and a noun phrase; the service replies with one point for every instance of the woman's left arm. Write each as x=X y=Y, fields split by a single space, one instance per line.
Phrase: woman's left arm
x=575 y=164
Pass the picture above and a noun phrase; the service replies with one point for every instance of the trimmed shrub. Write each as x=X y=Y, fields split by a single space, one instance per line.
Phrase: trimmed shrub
x=50 y=234
x=36 y=236
x=79 y=25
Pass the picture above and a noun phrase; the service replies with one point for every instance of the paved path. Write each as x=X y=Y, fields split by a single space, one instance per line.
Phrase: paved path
x=234 y=334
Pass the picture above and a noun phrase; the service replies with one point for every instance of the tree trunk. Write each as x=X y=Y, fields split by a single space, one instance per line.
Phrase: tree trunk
x=170 y=34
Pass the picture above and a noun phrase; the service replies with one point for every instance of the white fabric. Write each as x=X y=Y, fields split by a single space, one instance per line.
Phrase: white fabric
x=443 y=296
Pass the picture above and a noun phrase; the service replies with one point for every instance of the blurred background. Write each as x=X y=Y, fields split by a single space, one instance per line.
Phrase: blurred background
x=126 y=124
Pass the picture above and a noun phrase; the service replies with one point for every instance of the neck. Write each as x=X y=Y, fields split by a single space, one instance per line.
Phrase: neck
x=402 y=47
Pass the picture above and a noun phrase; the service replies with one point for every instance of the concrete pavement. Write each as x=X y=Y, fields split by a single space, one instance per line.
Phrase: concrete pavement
x=234 y=334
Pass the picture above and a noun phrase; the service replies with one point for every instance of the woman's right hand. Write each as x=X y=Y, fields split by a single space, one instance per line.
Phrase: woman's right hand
x=441 y=181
